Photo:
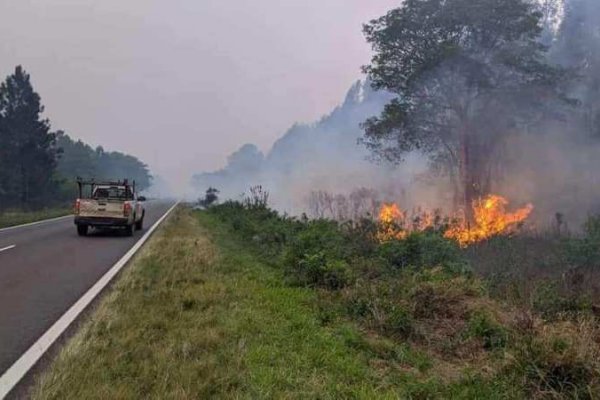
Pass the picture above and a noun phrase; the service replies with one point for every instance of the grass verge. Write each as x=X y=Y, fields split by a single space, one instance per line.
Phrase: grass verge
x=13 y=218
x=196 y=316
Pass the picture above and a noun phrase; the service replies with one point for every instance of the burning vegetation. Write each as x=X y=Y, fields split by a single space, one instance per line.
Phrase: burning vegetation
x=514 y=318
x=490 y=218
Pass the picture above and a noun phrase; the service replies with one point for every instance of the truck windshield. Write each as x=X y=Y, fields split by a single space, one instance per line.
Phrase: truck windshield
x=112 y=192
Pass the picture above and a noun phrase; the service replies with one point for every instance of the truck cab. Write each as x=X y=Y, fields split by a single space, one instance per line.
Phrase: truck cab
x=109 y=205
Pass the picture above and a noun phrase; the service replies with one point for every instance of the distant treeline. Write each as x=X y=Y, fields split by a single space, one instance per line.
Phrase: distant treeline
x=38 y=167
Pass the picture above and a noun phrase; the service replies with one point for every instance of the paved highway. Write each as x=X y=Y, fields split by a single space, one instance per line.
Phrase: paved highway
x=46 y=268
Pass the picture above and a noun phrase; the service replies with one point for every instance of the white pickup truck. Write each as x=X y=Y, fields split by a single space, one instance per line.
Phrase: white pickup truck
x=108 y=204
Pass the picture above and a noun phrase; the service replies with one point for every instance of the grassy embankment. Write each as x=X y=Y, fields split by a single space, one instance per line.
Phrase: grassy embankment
x=13 y=218
x=238 y=302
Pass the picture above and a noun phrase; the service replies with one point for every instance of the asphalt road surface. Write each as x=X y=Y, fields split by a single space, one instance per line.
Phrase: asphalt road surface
x=46 y=268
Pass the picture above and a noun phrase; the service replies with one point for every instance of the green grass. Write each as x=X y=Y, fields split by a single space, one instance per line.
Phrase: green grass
x=192 y=318
x=13 y=218
x=201 y=314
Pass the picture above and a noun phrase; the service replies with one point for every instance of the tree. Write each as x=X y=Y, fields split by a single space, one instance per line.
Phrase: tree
x=79 y=159
x=467 y=73
x=27 y=147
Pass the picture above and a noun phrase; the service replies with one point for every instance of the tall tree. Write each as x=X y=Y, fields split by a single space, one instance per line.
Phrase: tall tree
x=466 y=73
x=28 y=155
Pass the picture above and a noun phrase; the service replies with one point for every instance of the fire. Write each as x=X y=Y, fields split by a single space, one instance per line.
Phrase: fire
x=490 y=218
x=394 y=223
x=391 y=223
x=390 y=213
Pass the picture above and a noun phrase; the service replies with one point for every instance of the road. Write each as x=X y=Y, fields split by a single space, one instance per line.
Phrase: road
x=46 y=268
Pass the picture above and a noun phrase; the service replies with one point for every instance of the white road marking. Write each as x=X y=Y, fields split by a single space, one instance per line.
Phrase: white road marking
x=17 y=371
x=12 y=246
x=10 y=228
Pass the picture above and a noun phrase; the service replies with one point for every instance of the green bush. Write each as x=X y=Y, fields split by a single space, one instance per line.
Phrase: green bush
x=262 y=226
x=550 y=303
x=481 y=325
x=422 y=249
x=319 y=254
x=317 y=270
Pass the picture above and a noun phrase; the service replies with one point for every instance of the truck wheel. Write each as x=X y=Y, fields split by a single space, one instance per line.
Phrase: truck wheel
x=82 y=230
x=140 y=224
x=129 y=230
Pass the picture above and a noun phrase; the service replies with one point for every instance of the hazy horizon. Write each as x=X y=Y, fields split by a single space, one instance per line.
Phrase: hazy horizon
x=183 y=84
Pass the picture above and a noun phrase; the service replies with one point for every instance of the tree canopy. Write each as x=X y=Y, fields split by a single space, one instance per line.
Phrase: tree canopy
x=78 y=159
x=37 y=166
x=27 y=147
x=466 y=74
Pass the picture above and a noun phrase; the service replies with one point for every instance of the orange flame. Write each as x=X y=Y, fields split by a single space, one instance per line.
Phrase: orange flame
x=489 y=215
x=391 y=223
x=390 y=213
x=490 y=219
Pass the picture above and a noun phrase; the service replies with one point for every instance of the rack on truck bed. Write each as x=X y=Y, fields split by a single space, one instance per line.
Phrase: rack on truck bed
x=93 y=185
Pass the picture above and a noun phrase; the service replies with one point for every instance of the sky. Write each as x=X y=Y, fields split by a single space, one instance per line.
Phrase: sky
x=183 y=83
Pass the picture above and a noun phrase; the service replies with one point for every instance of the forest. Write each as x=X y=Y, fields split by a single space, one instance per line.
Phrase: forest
x=39 y=166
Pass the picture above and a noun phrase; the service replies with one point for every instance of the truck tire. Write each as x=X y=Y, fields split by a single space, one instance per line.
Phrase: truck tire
x=82 y=230
x=129 y=230
x=140 y=224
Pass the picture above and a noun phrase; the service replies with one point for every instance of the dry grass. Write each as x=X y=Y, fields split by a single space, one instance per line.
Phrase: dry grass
x=156 y=332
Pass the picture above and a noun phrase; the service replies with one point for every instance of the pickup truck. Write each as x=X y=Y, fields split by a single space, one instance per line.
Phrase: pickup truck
x=107 y=205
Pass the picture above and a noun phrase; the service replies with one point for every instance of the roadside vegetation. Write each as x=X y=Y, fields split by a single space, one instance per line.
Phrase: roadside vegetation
x=512 y=317
x=199 y=314
x=13 y=218
x=237 y=301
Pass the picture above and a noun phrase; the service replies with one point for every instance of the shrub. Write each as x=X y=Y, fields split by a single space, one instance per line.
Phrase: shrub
x=317 y=270
x=585 y=251
x=422 y=249
x=483 y=326
x=318 y=255
x=551 y=304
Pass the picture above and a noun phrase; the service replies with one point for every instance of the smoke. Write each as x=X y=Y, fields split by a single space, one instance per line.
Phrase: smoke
x=558 y=170
x=554 y=166
x=323 y=156
x=557 y=167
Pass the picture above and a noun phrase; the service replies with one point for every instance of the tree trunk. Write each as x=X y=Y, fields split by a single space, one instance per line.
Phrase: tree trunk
x=466 y=173
x=475 y=175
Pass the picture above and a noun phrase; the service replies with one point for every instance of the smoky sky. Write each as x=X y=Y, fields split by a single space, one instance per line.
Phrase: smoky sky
x=183 y=83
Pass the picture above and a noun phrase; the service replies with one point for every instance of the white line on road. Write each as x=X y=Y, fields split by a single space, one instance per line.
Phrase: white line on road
x=12 y=246
x=17 y=371
x=10 y=228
